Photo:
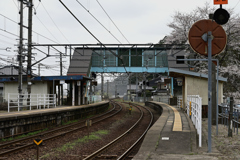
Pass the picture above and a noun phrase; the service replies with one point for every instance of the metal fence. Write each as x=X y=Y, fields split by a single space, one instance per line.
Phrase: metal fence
x=36 y=100
x=162 y=98
x=136 y=99
x=96 y=98
x=194 y=110
x=224 y=110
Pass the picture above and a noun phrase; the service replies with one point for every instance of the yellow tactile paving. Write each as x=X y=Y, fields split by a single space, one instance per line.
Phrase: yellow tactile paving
x=177 y=126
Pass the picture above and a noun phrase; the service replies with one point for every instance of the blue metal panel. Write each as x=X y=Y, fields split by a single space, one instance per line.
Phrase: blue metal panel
x=50 y=78
x=46 y=78
x=130 y=69
x=172 y=86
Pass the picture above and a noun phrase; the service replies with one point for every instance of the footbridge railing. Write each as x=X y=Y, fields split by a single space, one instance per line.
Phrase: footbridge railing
x=194 y=111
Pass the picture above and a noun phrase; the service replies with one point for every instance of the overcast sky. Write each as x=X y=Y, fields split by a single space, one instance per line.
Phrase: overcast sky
x=140 y=21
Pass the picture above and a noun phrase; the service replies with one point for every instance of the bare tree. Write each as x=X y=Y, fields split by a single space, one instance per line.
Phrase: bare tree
x=229 y=59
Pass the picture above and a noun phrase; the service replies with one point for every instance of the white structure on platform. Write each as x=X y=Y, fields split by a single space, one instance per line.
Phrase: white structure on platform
x=36 y=100
x=194 y=110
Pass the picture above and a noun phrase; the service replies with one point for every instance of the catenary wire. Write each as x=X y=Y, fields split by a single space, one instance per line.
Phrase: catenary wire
x=54 y=22
x=90 y=32
x=47 y=28
x=98 y=21
x=112 y=21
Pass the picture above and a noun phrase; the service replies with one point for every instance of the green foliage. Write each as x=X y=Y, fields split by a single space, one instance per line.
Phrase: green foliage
x=69 y=122
x=85 y=139
x=24 y=135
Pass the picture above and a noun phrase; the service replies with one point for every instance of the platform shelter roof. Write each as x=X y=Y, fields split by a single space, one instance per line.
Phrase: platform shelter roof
x=173 y=72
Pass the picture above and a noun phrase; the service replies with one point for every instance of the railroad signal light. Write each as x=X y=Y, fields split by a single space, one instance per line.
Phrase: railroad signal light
x=221 y=16
x=94 y=83
x=94 y=75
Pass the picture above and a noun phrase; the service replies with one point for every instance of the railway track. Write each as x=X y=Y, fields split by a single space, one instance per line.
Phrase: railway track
x=21 y=144
x=108 y=151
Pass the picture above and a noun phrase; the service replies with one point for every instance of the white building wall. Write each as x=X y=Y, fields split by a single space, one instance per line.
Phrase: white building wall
x=199 y=86
x=37 y=88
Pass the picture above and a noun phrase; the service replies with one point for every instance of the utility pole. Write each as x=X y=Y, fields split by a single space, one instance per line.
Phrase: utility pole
x=29 y=64
x=20 y=49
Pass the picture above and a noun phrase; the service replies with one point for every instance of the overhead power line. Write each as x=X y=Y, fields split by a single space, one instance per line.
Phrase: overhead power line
x=47 y=28
x=92 y=34
x=55 y=23
x=112 y=21
x=99 y=22
x=33 y=31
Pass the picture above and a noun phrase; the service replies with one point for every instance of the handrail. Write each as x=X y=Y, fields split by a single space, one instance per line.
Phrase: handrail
x=38 y=100
x=194 y=110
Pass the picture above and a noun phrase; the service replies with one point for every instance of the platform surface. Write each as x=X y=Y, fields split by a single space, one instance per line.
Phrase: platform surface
x=173 y=136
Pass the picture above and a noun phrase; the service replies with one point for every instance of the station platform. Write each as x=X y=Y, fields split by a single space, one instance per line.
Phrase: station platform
x=22 y=122
x=173 y=136
x=44 y=111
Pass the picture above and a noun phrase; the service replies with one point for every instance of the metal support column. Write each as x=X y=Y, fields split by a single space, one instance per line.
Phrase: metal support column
x=144 y=77
x=73 y=93
x=79 y=93
x=136 y=87
x=129 y=83
x=108 y=88
x=209 y=91
x=102 y=86
x=230 y=118
x=59 y=96
x=90 y=100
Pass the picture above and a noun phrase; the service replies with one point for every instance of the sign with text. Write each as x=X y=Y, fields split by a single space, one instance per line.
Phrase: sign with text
x=220 y=1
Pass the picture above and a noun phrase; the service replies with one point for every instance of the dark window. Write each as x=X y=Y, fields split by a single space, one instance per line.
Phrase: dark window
x=124 y=54
x=180 y=57
x=136 y=57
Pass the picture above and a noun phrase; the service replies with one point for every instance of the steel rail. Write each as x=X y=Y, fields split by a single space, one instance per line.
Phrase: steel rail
x=128 y=151
x=115 y=140
x=52 y=137
x=52 y=131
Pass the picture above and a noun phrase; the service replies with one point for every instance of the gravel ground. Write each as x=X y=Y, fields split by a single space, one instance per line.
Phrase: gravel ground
x=228 y=147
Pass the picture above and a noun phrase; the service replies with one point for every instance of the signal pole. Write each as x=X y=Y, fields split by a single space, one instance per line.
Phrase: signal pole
x=20 y=49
